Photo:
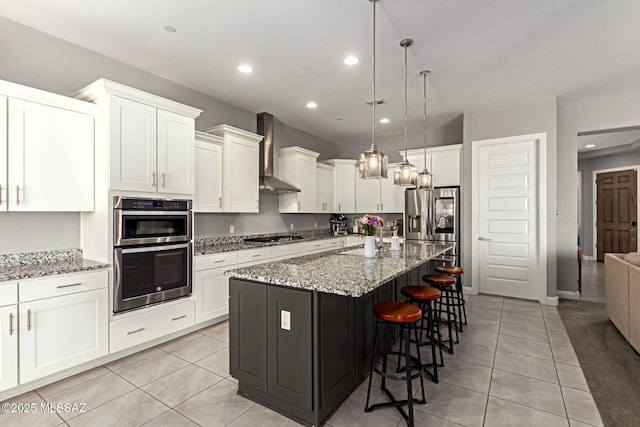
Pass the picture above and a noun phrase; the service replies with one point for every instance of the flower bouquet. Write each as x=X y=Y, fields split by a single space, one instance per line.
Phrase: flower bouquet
x=371 y=224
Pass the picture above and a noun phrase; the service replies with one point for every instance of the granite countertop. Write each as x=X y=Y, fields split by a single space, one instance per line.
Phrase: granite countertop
x=210 y=246
x=342 y=271
x=31 y=265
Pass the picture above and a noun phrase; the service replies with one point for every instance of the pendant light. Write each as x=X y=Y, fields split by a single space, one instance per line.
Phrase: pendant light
x=425 y=179
x=373 y=163
x=405 y=174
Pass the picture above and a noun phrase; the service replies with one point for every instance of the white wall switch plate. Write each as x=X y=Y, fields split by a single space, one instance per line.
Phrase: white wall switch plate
x=232 y=229
x=285 y=320
x=315 y=225
x=291 y=226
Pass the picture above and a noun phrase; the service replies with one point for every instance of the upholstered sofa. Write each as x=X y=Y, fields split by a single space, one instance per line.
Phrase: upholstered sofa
x=622 y=289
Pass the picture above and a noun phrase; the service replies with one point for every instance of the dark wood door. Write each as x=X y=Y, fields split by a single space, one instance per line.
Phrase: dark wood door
x=617 y=212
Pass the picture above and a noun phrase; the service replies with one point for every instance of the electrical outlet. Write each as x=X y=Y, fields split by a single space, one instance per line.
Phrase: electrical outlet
x=285 y=320
x=232 y=229
x=291 y=226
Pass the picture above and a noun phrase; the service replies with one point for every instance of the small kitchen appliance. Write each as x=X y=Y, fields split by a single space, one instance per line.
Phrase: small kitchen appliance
x=338 y=224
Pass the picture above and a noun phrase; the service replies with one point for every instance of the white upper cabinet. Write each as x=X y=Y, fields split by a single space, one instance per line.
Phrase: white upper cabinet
x=240 y=168
x=208 y=194
x=46 y=151
x=391 y=195
x=324 y=188
x=443 y=162
x=298 y=168
x=149 y=140
x=344 y=185
x=367 y=194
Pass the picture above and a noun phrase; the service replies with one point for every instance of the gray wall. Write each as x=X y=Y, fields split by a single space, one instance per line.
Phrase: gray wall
x=535 y=116
x=390 y=145
x=587 y=166
x=574 y=117
x=35 y=59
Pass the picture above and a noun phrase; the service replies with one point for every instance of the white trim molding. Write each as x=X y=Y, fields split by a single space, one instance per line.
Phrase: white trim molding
x=554 y=301
x=568 y=295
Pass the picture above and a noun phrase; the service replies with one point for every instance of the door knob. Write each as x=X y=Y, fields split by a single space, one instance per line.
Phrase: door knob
x=484 y=239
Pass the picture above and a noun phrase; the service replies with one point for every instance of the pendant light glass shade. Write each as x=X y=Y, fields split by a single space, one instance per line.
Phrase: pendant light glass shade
x=373 y=163
x=425 y=179
x=405 y=174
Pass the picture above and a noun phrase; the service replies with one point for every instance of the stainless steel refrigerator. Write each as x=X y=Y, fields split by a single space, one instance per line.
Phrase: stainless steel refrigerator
x=434 y=217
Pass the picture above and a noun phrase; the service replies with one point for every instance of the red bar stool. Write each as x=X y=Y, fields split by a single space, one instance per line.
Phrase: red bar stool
x=459 y=301
x=425 y=297
x=445 y=284
x=405 y=317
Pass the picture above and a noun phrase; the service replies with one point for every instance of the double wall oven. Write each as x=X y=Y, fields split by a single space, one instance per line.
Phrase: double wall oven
x=152 y=251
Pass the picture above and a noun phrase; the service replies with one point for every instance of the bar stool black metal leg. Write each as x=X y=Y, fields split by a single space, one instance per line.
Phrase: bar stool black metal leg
x=373 y=359
x=406 y=333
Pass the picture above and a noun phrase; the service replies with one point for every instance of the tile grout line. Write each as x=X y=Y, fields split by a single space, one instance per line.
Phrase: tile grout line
x=493 y=364
x=45 y=401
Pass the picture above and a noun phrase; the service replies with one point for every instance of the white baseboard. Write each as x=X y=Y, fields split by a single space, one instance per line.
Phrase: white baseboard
x=555 y=301
x=588 y=258
x=568 y=294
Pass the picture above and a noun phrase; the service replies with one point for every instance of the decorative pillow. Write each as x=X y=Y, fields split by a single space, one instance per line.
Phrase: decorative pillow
x=633 y=258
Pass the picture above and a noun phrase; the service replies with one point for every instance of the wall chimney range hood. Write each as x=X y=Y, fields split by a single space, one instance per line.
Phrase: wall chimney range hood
x=267 y=181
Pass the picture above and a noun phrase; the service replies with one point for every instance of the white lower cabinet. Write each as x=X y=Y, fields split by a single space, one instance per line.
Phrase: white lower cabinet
x=62 y=332
x=212 y=294
x=150 y=323
x=8 y=346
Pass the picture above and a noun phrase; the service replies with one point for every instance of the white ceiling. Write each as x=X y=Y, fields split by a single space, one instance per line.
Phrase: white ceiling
x=480 y=52
x=628 y=138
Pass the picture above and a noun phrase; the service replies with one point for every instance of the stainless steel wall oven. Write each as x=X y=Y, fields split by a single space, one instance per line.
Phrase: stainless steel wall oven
x=152 y=251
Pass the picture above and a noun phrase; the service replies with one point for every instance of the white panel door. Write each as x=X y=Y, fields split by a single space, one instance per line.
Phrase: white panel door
x=345 y=187
x=240 y=176
x=133 y=146
x=50 y=152
x=175 y=153
x=367 y=195
x=505 y=196
x=62 y=332
x=208 y=183
x=3 y=153
x=212 y=294
x=8 y=347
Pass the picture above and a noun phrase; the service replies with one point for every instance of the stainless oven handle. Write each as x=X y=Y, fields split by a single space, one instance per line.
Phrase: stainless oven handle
x=155 y=248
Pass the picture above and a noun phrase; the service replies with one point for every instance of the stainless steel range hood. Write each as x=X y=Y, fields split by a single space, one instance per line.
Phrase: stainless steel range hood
x=267 y=181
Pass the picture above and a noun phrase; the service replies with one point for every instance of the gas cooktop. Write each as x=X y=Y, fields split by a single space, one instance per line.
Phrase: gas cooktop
x=273 y=239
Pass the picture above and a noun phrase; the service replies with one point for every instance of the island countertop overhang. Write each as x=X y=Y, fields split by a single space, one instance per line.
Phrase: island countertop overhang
x=343 y=271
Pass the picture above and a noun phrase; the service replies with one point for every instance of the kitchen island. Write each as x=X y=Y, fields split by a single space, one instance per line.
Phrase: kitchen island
x=301 y=330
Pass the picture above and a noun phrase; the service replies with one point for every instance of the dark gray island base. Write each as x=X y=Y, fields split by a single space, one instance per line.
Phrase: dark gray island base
x=301 y=330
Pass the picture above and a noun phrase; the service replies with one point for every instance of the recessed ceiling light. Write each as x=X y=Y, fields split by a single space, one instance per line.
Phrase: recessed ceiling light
x=311 y=104
x=170 y=29
x=384 y=120
x=351 y=60
x=589 y=145
x=245 y=68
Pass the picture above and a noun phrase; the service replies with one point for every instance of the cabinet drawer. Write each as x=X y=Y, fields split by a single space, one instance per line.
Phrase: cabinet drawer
x=63 y=284
x=8 y=294
x=291 y=249
x=214 y=261
x=151 y=324
x=253 y=255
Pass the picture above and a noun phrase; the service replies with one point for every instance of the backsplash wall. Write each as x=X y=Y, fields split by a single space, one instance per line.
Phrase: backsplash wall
x=38 y=231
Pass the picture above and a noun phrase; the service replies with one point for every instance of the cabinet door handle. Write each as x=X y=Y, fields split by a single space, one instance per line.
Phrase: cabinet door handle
x=256 y=255
x=338 y=206
x=28 y=320
x=179 y=317
x=136 y=331
x=377 y=206
x=17 y=194
x=153 y=179
x=219 y=261
x=220 y=202
x=484 y=239
x=69 y=285
x=0 y=194
x=381 y=206
x=10 y=324
x=164 y=178
x=298 y=205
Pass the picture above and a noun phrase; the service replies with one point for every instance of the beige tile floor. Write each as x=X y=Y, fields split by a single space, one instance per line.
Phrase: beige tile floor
x=514 y=366
x=593 y=281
